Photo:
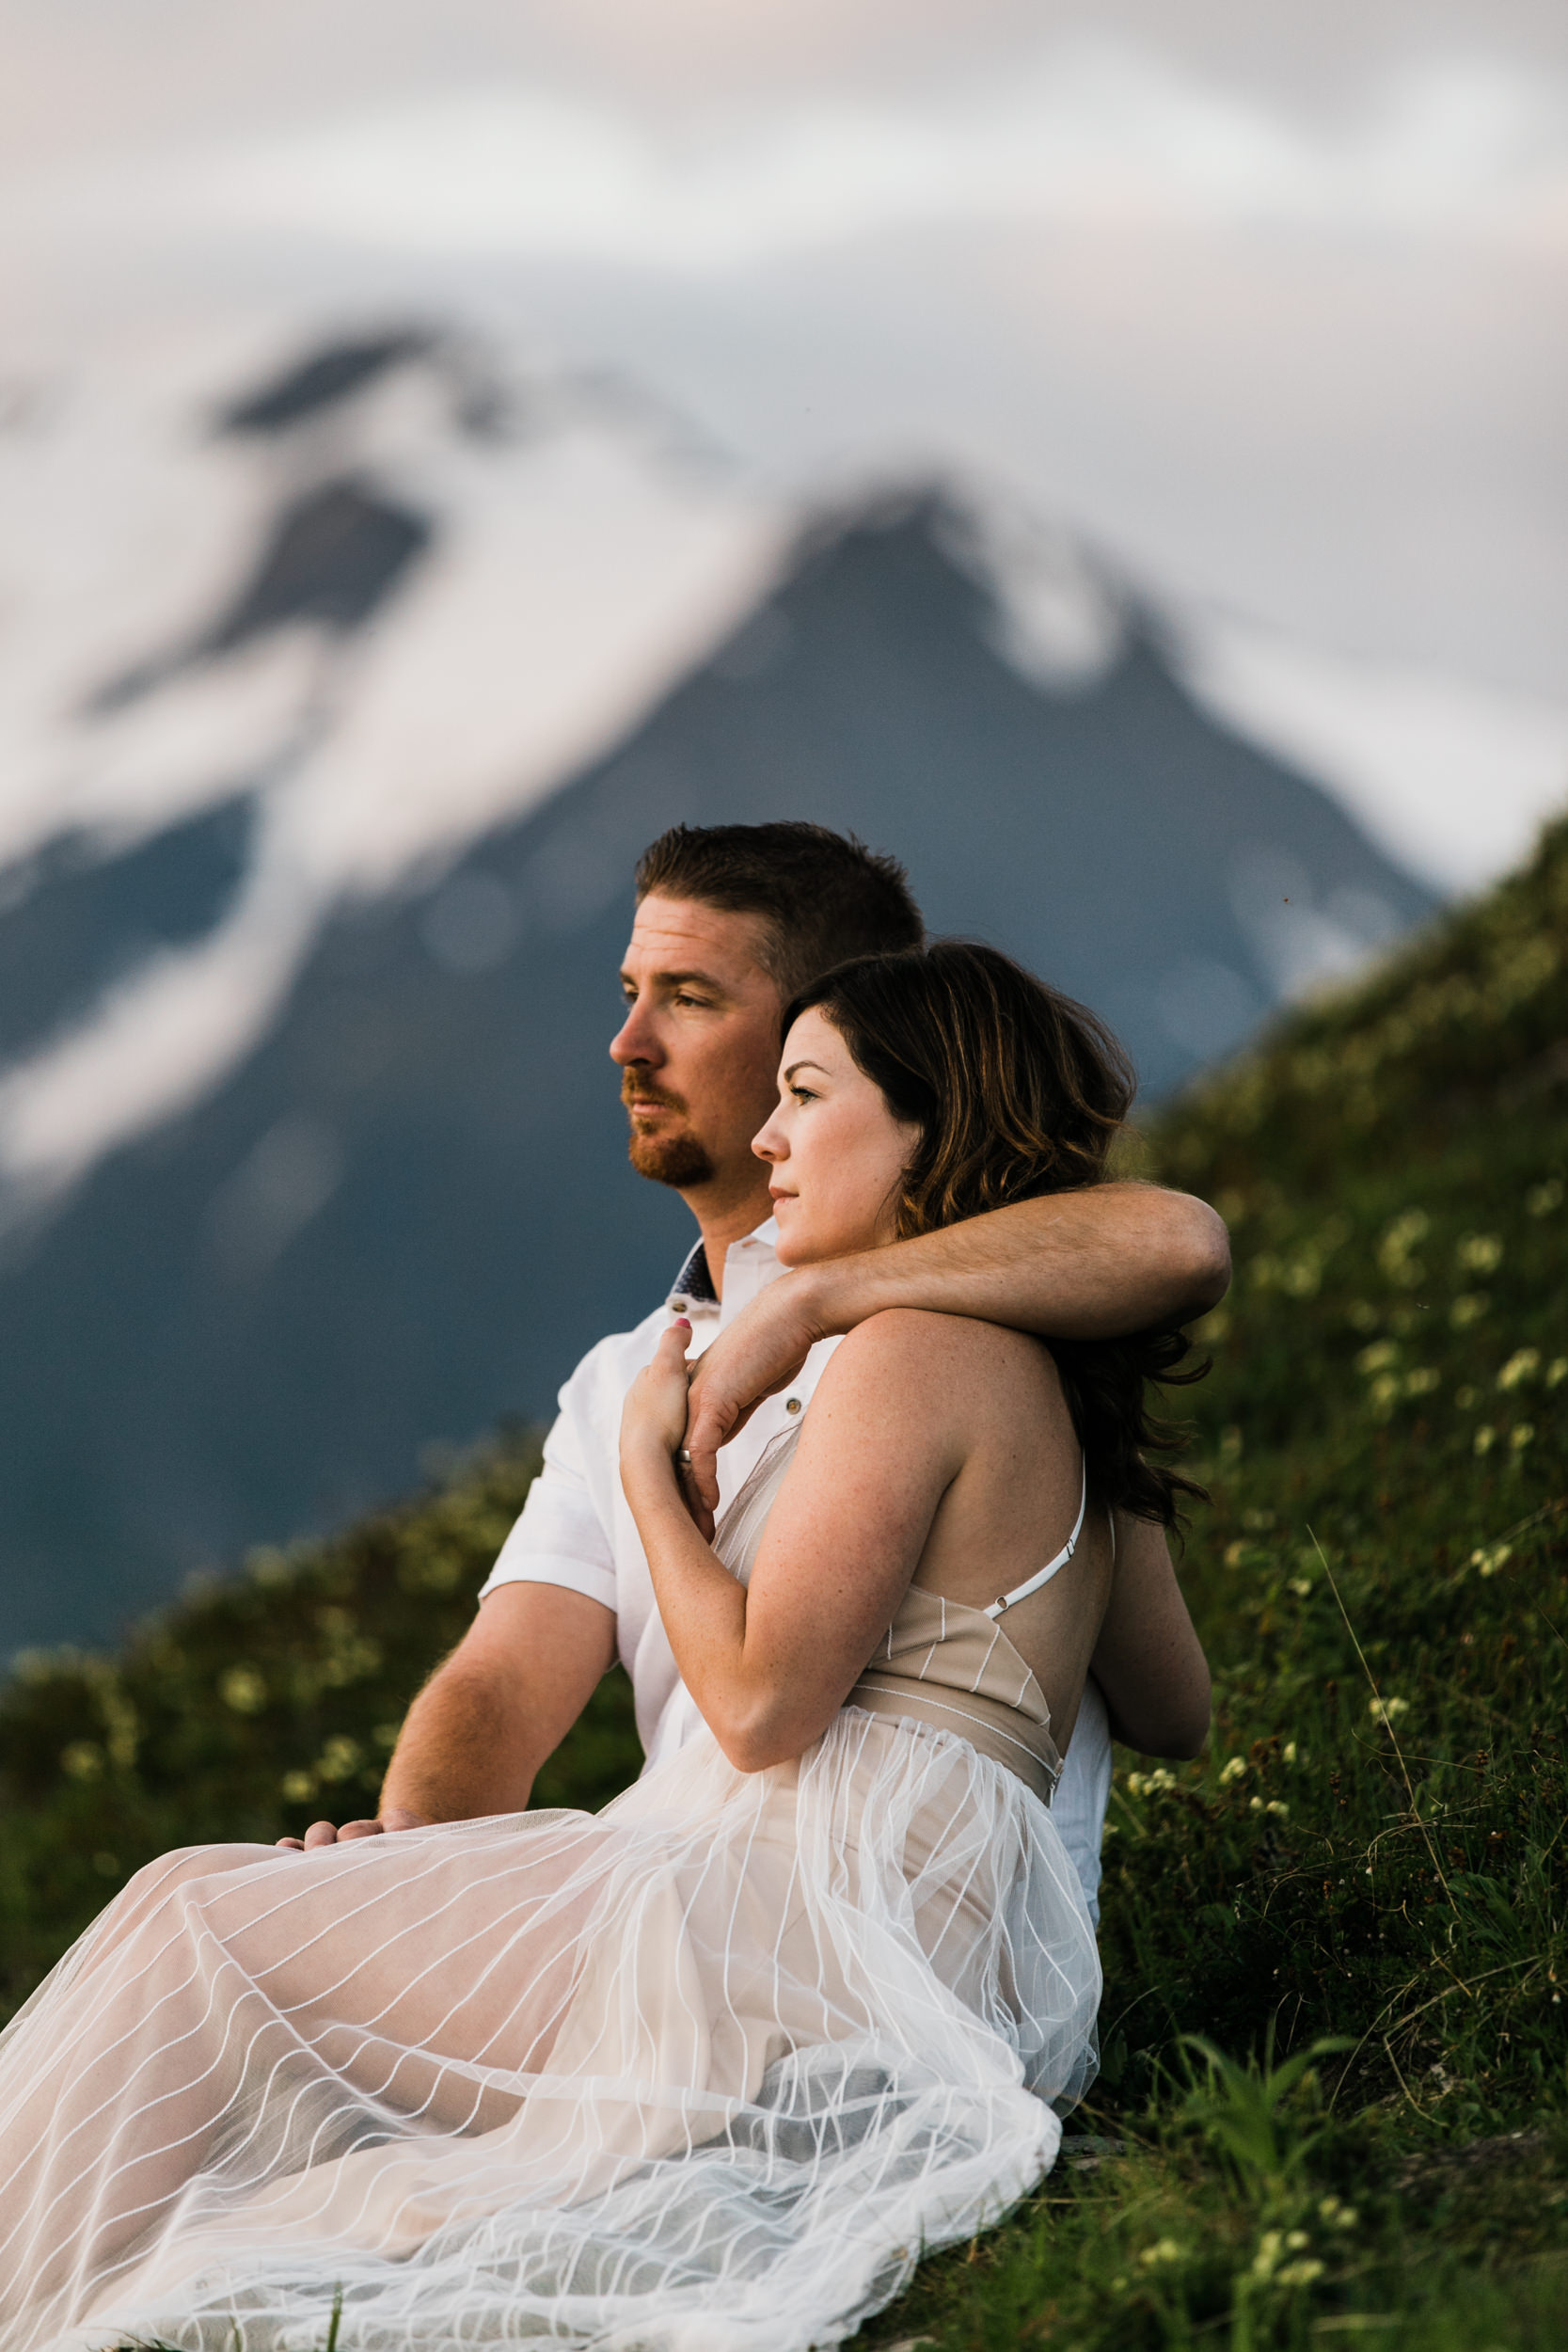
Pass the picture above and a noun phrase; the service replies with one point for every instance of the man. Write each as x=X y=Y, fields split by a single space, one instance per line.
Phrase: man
x=731 y=921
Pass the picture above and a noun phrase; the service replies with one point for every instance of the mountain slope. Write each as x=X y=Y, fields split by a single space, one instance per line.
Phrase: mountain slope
x=76 y=918
x=409 y=1211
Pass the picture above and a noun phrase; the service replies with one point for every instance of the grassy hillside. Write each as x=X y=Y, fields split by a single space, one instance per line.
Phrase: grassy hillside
x=1335 y=2097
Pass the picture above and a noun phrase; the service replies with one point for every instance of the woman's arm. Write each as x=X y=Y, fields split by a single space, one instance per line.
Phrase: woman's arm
x=1148 y=1661
x=770 y=1665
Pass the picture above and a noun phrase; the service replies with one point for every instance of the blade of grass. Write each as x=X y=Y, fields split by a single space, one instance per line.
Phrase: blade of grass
x=1438 y=1872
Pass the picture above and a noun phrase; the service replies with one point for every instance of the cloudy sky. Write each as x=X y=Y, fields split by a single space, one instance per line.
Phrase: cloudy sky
x=1265 y=305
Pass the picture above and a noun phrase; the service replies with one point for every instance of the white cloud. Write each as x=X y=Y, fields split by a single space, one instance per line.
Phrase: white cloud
x=1091 y=131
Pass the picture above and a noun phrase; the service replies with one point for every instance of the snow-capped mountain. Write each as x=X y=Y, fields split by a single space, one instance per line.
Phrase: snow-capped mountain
x=379 y=600
x=320 y=872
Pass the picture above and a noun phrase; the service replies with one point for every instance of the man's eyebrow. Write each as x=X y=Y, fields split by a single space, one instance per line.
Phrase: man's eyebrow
x=681 y=979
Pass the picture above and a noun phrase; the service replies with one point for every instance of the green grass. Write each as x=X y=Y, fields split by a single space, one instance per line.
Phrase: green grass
x=1334 y=2105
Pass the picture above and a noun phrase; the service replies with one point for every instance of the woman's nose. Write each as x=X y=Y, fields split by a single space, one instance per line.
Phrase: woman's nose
x=767 y=1145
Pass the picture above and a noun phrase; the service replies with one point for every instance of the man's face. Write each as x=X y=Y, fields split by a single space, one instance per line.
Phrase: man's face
x=700 y=1045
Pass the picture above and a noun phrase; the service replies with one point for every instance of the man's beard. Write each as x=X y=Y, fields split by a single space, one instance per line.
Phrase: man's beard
x=677 y=1159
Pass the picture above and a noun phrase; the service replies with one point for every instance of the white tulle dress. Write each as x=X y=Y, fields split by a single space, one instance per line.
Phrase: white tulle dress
x=708 y=2070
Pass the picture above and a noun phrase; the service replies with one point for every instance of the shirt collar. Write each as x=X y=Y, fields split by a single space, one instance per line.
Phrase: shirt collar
x=694 y=1285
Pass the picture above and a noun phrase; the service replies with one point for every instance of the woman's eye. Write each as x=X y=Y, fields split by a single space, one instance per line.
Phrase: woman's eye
x=802 y=1094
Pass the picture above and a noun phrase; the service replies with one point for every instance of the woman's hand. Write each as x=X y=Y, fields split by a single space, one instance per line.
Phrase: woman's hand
x=753 y=1358
x=653 y=1420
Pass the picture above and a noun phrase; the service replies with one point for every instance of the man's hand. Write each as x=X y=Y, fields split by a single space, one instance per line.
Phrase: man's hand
x=758 y=1355
x=325 y=1833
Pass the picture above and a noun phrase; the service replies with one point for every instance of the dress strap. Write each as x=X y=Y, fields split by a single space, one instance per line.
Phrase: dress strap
x=1043 y=1576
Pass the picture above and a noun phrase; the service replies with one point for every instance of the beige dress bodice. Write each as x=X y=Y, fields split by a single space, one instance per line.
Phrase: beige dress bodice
x=952 y=1666
x=940 y=1662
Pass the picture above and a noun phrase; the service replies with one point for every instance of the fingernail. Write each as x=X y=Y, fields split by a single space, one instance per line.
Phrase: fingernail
x=680 y=1324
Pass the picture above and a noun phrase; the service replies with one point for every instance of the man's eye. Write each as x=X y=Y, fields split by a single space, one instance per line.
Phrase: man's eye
x=683 y=996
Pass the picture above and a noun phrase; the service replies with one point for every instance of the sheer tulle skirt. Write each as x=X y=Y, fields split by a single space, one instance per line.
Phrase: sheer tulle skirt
x=709 y=2069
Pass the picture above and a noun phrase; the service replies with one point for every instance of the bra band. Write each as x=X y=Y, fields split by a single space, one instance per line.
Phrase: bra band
x=1043 y=1576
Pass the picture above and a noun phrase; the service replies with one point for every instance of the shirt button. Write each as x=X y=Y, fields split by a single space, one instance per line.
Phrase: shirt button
x=792 y=1404
x=677 y=1306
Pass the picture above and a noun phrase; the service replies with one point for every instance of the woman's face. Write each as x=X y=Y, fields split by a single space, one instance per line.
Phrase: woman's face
x=835 y=1149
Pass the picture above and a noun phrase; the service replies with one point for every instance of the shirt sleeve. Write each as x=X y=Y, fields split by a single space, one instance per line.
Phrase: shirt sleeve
x=559 y=1537
x=1084 y=1791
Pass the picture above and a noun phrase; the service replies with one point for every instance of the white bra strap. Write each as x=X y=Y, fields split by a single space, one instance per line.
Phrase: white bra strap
x=1043 y=1576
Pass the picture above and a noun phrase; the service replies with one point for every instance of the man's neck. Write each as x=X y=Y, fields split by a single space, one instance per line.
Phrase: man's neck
x=722 y=1221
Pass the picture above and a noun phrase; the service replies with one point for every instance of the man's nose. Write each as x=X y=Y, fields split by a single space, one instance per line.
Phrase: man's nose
x=634 y=1041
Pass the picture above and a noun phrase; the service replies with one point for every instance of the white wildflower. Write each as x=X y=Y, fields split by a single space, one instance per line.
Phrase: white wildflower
x=1162 y=2252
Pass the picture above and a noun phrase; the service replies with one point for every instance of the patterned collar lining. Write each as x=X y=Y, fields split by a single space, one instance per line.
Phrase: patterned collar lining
x=694 y=1285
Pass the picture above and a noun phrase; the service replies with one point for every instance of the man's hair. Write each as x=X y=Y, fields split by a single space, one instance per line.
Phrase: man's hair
x=823 y=896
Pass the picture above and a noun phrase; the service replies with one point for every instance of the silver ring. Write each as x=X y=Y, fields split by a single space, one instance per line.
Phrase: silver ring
x=685 y=1456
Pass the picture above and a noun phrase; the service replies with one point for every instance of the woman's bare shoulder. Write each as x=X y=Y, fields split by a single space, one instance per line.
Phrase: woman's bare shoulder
x=918 y=1350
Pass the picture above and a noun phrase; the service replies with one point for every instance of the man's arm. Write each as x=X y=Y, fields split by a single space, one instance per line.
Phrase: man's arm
x=1075 y=1265
x=500 y=1705
x=492 y=1712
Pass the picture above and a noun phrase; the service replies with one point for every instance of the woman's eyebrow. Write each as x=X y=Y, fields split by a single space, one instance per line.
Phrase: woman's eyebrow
x=805 y=1065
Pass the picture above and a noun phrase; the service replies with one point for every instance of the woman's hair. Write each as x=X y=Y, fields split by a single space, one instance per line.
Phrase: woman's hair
x=1017 y=1092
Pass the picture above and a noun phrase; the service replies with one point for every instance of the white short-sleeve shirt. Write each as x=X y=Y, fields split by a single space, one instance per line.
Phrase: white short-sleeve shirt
x=576 y=1529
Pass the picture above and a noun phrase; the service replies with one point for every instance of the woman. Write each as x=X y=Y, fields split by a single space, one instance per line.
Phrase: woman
x=713 y=2066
